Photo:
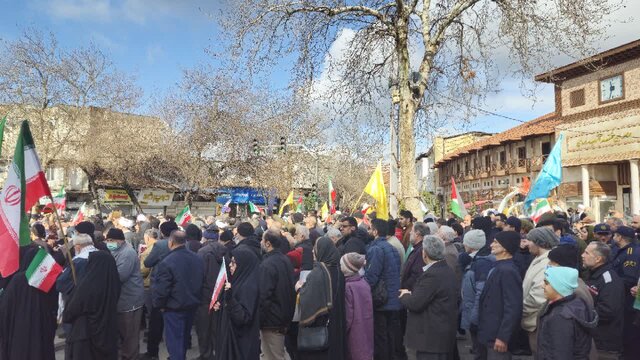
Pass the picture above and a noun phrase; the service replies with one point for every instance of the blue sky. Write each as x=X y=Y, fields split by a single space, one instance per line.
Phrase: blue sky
x=156 y=39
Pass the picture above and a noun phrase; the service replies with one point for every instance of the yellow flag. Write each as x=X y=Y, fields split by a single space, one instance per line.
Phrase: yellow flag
x=289 y=201
x=376 y=189
x=324 y=211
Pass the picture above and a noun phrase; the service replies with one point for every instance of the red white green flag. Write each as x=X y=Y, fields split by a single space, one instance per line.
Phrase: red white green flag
x=59 y=202
x=253 y=208
x=332 y=198
x=457 y=205
x=220 y=281
x=541 y=208
x=43 y=271
x=299 y=208
x=184 y=216
x=24 y=186
x=80 y=215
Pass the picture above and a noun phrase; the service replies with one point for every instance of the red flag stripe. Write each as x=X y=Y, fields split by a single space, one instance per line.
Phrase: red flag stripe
x=9 y=255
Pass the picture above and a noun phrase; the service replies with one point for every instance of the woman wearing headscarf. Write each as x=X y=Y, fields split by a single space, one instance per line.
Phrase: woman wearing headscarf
x=92 y=311
x=239 y=331
x=27 y=316
x=322 y=300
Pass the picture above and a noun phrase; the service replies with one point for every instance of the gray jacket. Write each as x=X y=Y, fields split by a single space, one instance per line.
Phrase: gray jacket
x=132 y=286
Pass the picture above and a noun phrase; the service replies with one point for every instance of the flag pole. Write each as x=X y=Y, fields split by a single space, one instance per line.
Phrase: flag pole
x=357 y=202
x=66 y=242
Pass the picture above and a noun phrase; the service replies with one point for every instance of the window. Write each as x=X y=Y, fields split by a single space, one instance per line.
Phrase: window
x=458 y=168
x=546 y=149
x=522 y=153
x=576 y=98
x=50 y=174
x=503 y=157
x=487 y=161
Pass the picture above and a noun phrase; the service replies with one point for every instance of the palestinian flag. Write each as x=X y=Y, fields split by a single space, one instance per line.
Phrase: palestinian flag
x=43 y=271
x=457 y=205
x=80 y=215
x=332 y=198
x=541 y=208
x=220 y=281
x=184 y=216
x=299 y=208
x=24 y=186
x=253 y=208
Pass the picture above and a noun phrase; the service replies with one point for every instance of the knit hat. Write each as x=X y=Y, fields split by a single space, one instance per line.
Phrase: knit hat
x=211 y=233
x=562 y=279
x=86 y=227
x=193 y=232
x=515 y=223
x=510 y=241
x=475 y=239
x=226 y=235
x=245 y=229
x=351 y=263
x=543 y=237
x=114 y=234
x=568 y=240
x=564 y=255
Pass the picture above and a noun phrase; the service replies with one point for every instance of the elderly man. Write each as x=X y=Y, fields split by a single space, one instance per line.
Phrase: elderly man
x=432 y=310
x=635 y=224
x=447 y=234
x=414 y=264
x=334 y=234
x=608 y=293
x=539 y=241
x=83 y=246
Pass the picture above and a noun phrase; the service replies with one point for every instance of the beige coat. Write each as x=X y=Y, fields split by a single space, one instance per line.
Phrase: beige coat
x=533 y=299
x=146 y=272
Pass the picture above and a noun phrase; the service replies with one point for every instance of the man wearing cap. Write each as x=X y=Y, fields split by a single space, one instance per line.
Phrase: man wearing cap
x=247 y=237
x=565 y=321
x=501 y=299
x=603 y=233
x=539 y=241
x=476 y=268
x=131 y=293
x=607 y=290
x=626 y=262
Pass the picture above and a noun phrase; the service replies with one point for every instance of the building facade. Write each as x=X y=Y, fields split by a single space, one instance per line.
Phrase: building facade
x=597 y=108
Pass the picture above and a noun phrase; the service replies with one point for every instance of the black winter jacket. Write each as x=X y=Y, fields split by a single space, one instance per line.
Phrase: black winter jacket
x=211 y=254
x=500 y=307
x=564 y=330
x=412 y=267
x=356 y=242
x=253 y=243
x=176 y=282
x=607 y=290
x=277 y=291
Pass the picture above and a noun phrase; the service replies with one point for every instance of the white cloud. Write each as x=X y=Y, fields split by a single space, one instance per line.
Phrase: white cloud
x=153 y=52
x=94 y=10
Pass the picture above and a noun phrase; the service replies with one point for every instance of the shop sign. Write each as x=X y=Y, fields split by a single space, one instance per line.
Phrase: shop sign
x=114 y=196
x=155 y=197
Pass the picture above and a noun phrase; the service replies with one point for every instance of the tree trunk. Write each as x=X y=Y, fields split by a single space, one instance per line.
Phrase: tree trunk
x=408 y=191
x=94 y=191
x=134 y=198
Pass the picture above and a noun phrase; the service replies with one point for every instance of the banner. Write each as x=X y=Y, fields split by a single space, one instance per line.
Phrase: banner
x=114 y=196
x=155 y=197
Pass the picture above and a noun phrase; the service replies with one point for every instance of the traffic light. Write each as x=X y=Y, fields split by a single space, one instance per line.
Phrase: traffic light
x=256 y=150
x=283 y=144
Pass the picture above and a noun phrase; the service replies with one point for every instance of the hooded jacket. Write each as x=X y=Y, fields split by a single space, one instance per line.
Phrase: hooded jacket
x=564 y=329
x=473 y=280
x=252 y=242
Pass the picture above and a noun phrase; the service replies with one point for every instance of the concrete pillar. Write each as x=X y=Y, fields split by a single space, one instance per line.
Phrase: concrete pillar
x=635 y=187
x=585 y=186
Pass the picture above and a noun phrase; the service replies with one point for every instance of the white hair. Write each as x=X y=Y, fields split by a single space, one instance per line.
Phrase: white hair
x=302 y=230
x=447 y=233
x=333 y=232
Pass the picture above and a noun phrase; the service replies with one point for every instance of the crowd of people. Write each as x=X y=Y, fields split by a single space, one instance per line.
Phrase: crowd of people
x=351 y=287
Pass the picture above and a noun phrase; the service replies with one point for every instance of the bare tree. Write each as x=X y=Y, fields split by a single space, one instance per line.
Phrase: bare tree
x=52 y=87
x=442 y=54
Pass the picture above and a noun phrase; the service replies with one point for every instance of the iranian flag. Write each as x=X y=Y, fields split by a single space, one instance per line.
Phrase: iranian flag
x=253 y=208
x=220 y=281
x=457 y=205
x=184 y=216
x=80 y=215
x=541 y=208
x=332 y=198
x=43 y=271
x=24 y=186
x=59 y=202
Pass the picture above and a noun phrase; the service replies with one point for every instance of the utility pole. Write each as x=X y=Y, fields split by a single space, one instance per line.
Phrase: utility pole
x=394 y=159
